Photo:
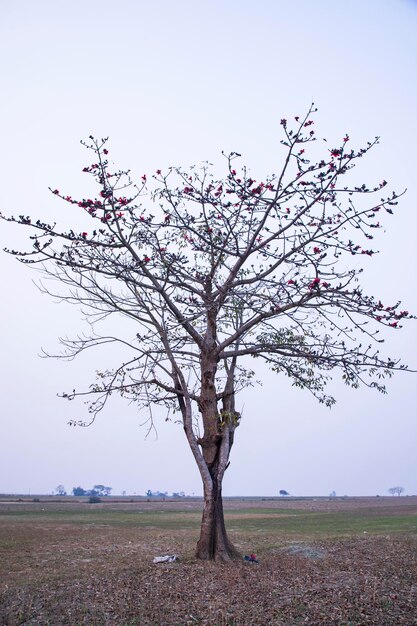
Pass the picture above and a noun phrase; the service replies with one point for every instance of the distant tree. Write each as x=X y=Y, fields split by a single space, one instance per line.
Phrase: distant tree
x=333 y=494
x=60 y=490
x=214 y=273
x=149 y=493
x=100 y=490
x=79 y=491
x=282 y=492
x=396 y=491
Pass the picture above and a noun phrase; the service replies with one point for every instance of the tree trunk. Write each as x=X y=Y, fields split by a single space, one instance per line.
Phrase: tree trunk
x=214 y=543
x=215 y=444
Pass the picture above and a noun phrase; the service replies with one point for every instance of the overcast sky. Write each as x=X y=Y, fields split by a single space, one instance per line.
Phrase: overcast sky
x=176 y=83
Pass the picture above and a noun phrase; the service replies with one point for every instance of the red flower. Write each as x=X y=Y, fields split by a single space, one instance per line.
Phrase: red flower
x=291 y=282
x=105 y=151
x=346 y=138
x=158 y=172
x=316 y=250
x=56 y=191
x=335 y=152
x=314 y=283
x=146 y=259
x=84 y=235
x=144 y=178
x=283 y=122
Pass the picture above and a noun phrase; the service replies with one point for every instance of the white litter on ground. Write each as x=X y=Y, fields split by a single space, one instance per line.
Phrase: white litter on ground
x=167 y=558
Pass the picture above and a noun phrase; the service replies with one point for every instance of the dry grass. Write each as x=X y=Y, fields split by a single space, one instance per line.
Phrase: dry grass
x=321 y=562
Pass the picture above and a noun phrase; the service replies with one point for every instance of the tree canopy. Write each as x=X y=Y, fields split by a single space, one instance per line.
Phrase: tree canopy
x=216 y=272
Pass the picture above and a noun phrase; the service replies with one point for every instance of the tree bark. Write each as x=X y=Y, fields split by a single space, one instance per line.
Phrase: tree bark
x=215 y=445
x=214 y=543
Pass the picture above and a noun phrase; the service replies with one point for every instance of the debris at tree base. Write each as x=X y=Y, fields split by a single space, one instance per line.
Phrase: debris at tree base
x=167 y=558
x=251 y=558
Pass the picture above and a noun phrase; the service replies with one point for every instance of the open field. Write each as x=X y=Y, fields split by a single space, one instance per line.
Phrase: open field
x=325 y=562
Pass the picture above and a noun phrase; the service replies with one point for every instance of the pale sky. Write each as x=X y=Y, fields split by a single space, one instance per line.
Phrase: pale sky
x=175 y=83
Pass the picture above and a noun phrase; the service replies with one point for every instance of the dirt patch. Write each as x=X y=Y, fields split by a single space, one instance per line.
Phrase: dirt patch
x=306 y=550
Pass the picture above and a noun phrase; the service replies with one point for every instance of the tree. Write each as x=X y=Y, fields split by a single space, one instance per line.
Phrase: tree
x=283 y=492
x=214 y=273
x=100 y=490
x=60 y=490
x=396 y=491
x=79 y=491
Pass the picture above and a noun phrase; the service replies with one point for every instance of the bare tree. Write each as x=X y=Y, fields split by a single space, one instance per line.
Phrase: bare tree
x=396 y=491
x=60 y=490
x=215 y=273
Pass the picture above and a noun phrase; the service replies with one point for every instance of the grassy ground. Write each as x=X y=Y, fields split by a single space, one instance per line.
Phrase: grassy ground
x=343 y=562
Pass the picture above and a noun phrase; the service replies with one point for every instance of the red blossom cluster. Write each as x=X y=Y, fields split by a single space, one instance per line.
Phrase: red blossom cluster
x=314 y=283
